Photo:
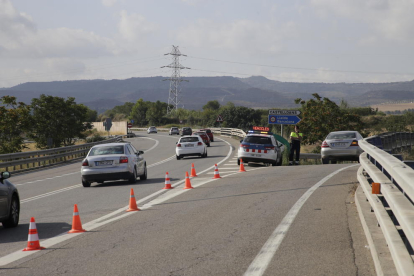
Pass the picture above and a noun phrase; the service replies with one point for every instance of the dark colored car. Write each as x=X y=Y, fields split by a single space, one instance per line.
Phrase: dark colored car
x=9 y=202
x=209 y=133
x=203 y=136
x=186 y=131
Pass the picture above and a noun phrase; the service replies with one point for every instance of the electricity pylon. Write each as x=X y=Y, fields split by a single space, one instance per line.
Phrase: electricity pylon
x=175 y=80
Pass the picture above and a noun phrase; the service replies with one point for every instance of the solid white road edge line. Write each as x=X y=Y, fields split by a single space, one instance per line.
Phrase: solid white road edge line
x=266 y=253
x=12 y=257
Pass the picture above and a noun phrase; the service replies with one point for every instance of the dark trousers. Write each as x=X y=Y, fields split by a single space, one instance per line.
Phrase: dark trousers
x=295 y=146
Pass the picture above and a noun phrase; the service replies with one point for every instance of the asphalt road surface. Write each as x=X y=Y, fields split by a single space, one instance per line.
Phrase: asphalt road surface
x=296 y=220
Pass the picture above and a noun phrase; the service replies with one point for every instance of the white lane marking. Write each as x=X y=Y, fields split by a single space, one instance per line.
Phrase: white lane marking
x=50 y=193
x=153 y=147
x=49 y=243
x=49 y=178
x=161 y=162
x=266 y=253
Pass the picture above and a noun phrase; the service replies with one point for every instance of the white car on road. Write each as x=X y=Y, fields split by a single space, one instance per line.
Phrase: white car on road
x=113 y=161
x=190 y=146
x=260 y=148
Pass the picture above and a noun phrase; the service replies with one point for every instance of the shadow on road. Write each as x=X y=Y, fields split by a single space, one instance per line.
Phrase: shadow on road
x=44 y=230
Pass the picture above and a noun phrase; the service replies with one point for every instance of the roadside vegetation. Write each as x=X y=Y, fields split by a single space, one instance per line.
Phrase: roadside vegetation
x=49 y=121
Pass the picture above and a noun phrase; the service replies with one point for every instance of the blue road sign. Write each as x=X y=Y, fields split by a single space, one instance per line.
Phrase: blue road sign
x=132 y=121
x=283 y=120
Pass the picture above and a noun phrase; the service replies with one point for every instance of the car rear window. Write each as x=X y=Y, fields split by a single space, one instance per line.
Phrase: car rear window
x=174 y=128
x=258 y=140
x=189 y=139
x=348 y=135
x=107 y=150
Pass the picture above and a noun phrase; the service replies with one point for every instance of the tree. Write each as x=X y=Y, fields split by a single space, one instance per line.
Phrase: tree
x=139 y=112
x=15 y=122
x=213 y=105
x=322 y=116
x=57 y=121
x=240 y=116
x=156 y=112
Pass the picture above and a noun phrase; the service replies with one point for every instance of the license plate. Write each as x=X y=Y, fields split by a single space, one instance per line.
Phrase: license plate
x=102 y=163
x=256 y=155
x=189 y=145
x=338 y=144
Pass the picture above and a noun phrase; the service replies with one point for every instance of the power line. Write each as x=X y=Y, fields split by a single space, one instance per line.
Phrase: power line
x=302 y=68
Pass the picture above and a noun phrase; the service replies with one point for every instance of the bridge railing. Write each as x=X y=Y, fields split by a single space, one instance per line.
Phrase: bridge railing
x=393 y=207
x=40 y=158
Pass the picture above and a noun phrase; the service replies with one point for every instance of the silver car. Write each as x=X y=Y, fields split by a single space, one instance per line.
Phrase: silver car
x=152 y=129
x=341 y=145
x=9 y=202
x=113 y=162
x=174 y=130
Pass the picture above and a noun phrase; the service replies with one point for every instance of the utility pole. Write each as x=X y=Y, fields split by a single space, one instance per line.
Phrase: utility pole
x=175 y=80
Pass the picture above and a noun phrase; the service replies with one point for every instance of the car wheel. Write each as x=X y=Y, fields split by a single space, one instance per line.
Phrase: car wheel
x=144 y=176
x=86 y=183
x=333 y=161
x=325 y=161
x=275 y=163
x=14 y=214
x=133 y=178
x=178 y=157
x=101 y=182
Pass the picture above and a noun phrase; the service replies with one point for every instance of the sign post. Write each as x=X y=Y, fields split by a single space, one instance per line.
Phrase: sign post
x=283 y=117
x=219 y=120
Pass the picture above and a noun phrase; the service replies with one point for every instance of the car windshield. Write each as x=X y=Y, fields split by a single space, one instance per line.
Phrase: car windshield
x=258 y=140
x=345 y=135
x=174 y=128
x=188 y=139
x=107 y=150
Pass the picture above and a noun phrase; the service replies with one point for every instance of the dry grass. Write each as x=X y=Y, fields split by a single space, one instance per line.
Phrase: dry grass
x=394 y=107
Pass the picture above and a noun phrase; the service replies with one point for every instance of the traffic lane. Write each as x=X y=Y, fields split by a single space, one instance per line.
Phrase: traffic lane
x=326 y=237
x=53 y=212
x=41 y=181
x=214 y=229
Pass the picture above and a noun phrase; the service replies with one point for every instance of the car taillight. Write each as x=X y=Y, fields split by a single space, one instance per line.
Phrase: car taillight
x=199 y=143
x=354 y=143
x=123 y=159
x=178 y=145
x=325 y=145
x=270 y=148
x=244 y=146
x=85 y=162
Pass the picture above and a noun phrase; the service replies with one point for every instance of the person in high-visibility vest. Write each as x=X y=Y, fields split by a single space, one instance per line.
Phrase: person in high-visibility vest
x=295 y=138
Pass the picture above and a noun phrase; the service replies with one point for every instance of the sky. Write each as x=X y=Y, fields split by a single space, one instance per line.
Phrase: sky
x=330 y=41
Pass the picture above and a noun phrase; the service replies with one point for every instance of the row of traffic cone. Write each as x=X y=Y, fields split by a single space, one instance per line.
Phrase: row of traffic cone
x=33 y=238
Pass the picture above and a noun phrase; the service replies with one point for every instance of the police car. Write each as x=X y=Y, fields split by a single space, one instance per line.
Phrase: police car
x=261 y=147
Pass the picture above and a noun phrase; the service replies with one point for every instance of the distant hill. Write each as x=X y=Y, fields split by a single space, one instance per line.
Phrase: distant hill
x=254 y=91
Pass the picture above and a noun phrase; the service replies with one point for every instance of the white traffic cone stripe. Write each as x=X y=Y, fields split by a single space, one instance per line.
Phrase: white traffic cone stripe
x=33 y=237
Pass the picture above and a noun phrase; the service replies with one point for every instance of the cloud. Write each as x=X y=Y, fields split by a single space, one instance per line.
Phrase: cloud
x=243 y=35
x=390 y=19
x=109 y=3
x=133 y=26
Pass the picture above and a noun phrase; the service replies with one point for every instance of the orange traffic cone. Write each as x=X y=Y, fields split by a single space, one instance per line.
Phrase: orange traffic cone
x=132 y=202
x=33 y=240
x=76 y=222
x=167 y=182
x=187 y=182
x=216 y=172
x=193 y=171
x=241 y=166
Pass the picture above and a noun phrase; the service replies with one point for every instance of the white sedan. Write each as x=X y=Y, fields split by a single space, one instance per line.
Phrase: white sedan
x=113 y=161
x=190 y=146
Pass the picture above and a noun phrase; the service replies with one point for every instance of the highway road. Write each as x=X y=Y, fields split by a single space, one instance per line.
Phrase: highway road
x=296 y=220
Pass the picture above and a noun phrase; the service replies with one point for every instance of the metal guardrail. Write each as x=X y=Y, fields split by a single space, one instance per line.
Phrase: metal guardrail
x=42 y=156
x=394 y=208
